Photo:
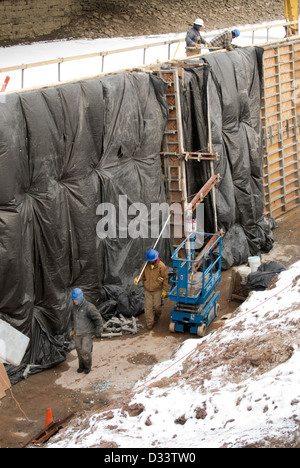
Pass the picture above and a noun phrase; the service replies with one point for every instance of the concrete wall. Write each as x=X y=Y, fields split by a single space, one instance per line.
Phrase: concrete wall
x=22 y=19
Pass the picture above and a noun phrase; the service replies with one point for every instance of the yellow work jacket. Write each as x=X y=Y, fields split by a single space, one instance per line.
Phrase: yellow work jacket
x=155 y=279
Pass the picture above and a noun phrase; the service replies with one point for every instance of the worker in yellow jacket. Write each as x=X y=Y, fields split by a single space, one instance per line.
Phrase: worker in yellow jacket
x=155 y=278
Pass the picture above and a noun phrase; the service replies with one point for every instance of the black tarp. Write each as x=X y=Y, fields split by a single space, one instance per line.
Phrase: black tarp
x=233 y=83
x=64 y=151
x=261 y=279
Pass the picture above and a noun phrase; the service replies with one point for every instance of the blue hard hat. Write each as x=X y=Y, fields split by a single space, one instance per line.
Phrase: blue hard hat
x=76 y=294
x=151 y=255
x=236 y=32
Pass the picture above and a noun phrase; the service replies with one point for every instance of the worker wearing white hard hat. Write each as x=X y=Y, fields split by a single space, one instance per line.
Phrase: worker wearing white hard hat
x=193 y=38
x=199 y=22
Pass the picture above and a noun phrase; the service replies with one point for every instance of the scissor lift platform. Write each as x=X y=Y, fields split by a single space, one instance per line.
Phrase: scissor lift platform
x=194 y=282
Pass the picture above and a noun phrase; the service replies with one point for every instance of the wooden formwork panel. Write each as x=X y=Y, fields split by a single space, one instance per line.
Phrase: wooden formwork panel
x=281 y=125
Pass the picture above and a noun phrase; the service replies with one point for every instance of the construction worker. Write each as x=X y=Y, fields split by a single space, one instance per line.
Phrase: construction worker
x=155 y=278
x=224 y=40
x=86 y=324
x=193 y=38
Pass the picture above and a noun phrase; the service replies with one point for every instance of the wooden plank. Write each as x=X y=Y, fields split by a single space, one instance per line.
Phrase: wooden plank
x=4 y=381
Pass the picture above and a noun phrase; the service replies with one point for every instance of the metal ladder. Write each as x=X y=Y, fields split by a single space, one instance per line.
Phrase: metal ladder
x=174 y=157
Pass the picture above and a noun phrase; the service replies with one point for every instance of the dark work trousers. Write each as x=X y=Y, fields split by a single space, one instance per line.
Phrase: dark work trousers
x=84 y=348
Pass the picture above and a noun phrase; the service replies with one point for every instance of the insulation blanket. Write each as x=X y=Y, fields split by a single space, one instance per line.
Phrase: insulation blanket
x=65 y=152
x=79 y=159
x=232 y=108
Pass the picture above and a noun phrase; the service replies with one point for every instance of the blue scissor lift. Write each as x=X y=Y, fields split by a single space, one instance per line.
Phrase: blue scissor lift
x=193 y=284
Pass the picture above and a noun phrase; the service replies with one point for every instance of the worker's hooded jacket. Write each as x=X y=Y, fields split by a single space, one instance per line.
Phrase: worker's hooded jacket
x=86 y=320
x=155 y=279
x=193 y=37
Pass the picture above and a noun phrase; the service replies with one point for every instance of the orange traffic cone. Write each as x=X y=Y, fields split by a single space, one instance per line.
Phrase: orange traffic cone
x=49 y=418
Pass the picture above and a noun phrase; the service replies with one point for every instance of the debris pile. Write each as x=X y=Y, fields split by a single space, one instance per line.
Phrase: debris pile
x=117 y=326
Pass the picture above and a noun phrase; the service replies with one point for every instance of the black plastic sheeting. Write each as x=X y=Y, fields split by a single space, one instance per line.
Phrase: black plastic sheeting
x=63 y=151
x=233 y=80
x=261 y=279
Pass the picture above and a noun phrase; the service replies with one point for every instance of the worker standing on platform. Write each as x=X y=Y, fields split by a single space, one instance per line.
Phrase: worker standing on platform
x=86 y=324
x=193 y=38
x=155 y=278
x=224 y=40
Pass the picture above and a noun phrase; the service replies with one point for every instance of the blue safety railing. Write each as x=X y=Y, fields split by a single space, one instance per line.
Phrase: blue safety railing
x=184 y=289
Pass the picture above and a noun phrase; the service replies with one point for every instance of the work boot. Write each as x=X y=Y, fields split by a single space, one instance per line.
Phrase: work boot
x=80 y=370
x=87 y=371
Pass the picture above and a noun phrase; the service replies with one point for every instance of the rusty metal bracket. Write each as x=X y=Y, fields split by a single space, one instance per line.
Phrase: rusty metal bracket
x=44 y=435
x=201 y=156
x=213 y=244
x=199 y=197
x=192 y=155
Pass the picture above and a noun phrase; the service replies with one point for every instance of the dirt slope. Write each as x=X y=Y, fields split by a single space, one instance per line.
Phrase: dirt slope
x=156 y=17
x=237 y=387
x=142 y=17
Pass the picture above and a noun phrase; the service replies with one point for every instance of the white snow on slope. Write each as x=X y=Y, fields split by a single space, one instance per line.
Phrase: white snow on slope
x=237 y=386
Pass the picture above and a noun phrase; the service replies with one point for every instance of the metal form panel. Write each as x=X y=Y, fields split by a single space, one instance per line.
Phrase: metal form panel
x=281 y=125
x=281 y=131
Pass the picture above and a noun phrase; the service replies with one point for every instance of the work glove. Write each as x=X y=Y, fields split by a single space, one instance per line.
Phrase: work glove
x=135 y=281
x=164 y=294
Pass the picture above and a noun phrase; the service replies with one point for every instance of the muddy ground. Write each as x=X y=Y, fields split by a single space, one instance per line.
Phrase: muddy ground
x=118 y=362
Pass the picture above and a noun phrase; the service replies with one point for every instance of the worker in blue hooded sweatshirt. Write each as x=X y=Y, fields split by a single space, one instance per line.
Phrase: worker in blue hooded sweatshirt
x=86 y=323
x=193 y=38
x=155 y=278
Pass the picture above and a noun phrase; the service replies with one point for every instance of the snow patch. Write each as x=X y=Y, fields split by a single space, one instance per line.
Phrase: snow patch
x=238 y=386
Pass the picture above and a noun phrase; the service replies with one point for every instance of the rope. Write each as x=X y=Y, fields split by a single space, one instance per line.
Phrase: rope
x=15 y=400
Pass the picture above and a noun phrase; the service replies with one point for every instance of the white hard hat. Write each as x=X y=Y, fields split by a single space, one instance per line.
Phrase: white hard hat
x=199 y=22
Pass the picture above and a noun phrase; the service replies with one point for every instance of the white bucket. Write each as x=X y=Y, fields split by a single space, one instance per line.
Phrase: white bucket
x=254 y=263
x=188 y=227
x=244 y=271
x=13 y=344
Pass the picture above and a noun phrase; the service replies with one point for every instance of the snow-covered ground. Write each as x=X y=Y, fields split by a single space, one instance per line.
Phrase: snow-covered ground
x=44 y=51
x=237 y=386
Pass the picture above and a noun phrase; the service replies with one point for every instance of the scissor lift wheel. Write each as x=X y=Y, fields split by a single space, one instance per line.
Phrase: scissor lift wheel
x=172 y=327
x=201 y=330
